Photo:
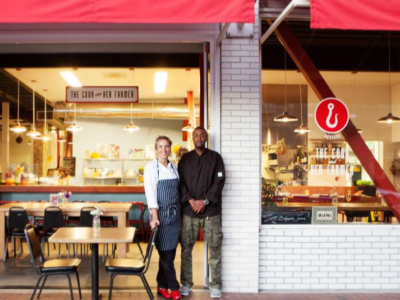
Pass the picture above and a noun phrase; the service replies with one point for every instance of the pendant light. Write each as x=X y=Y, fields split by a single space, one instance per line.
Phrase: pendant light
x=285 y=117
x=45 y=137
x=301 y=129
x=18 y=128
x=33 y=132
x=188 y=128
x=74 y=127
x=389 y=119
x=131 y=127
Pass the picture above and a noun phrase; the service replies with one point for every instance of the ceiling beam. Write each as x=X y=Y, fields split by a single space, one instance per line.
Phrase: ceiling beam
x=350 y=133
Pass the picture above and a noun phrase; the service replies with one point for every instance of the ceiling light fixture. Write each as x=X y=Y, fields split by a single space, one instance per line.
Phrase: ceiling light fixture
x=301 y=129
x=285 y=117
x=131 y=127
x=71 y=79
x=188 y=128
x=74 y=127
x=33 y=132
x=160 y=82
x=45 y=137
x=389 y=119
x=18 y=128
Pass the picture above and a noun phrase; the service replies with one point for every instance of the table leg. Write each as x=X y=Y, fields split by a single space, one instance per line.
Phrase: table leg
x=95 y=272
x=2 y=233
x=122 y=223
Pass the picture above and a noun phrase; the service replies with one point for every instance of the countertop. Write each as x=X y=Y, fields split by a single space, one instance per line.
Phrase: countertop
x=121 y=189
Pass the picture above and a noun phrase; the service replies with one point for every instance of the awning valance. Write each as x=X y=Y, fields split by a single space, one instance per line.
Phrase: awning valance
x=355 y=14
x=127 y=11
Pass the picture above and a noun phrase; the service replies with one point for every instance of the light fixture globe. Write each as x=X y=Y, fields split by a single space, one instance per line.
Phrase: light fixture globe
x=44 y=138
x=285 y=118
x=188 y=128
x=302 y=129
x=74 y=128
x=33 y=133
x=389 y=119
x=131 y=127
x=18 y=128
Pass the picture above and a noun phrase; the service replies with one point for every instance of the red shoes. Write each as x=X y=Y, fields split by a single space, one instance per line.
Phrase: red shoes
x=176 y=295
x=164 y=293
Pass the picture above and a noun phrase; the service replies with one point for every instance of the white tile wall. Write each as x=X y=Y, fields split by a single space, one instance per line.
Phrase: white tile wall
x=240 y=149
x=360 y=257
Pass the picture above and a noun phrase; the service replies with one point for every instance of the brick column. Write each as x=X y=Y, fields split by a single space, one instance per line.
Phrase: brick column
x=240 y=149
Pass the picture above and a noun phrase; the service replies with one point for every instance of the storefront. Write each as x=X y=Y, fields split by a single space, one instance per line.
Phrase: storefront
x=277 y=180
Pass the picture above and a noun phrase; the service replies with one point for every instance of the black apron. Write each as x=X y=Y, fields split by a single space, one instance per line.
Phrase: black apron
x=169 y=212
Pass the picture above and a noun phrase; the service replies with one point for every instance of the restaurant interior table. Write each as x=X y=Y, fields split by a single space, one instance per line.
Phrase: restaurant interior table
x=120 y=210
x=84 y=235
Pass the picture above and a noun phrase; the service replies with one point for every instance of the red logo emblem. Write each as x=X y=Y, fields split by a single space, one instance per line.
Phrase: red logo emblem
x=331 y=115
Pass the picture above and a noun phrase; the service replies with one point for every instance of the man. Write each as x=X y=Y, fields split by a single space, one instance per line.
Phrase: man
x=202 y=178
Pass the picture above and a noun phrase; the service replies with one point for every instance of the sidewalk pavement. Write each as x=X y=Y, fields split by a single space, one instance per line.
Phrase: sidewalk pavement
x=203 y=294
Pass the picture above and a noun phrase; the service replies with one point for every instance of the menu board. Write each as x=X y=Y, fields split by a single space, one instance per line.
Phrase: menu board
x=286 y=217
x=70 y=164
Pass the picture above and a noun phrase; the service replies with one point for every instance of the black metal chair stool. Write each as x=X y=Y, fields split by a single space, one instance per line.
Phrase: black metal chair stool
x=45 y=268
x=136 y=267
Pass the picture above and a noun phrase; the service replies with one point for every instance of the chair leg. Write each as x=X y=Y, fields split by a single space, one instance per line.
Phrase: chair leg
x=6 y=250
x=41 y=288
x=15 y=246
x=70 y=286
x=20 y=245
x=79 y=285
x=138 y=243
x=37 y=284
x=147 y=287
x=111 y=286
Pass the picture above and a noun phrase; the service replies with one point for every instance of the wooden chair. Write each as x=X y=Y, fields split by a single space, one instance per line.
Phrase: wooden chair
x=45 y=268
x=135 y=267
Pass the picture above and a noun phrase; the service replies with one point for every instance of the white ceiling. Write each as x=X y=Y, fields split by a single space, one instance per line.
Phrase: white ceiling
x=179 y=81
x=333 y=78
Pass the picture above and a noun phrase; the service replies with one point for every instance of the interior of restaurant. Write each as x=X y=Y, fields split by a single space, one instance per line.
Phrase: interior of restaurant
x=302 y=166
x=105 y=151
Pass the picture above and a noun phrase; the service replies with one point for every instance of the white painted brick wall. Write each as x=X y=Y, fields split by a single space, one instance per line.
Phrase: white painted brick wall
x=240 y=149
x=360 y=257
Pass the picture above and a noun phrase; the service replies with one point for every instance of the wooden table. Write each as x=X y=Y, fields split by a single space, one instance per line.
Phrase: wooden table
x=119 y=210
x=82 y=235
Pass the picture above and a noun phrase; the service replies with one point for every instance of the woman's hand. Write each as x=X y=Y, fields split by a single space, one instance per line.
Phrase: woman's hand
x=154 y=223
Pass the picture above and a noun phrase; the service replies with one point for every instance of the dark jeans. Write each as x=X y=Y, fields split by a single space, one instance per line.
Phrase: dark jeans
x=166 y=276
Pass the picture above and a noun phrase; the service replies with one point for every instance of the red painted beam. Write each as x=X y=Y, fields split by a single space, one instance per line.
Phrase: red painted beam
x=350 y=133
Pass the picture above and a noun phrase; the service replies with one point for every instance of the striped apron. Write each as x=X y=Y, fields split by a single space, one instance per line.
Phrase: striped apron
x=169 y=212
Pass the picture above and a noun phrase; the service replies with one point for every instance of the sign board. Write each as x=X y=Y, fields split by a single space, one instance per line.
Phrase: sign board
x=324 y=215
x=70 y=164
x=276 y=217
x=331 y=115
x=103 y=94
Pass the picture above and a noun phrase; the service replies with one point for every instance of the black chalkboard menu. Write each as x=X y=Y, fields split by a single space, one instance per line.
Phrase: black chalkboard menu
x=303 y=217
x=70 y=164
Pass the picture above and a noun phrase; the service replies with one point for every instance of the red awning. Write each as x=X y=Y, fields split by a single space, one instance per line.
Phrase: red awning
x=355 y=14
x=127 y=11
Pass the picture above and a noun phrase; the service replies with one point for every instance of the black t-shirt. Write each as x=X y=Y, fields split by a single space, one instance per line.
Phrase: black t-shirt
x=201 y=177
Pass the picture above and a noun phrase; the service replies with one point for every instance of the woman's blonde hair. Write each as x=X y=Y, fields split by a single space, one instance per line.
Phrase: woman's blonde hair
x=160 y=138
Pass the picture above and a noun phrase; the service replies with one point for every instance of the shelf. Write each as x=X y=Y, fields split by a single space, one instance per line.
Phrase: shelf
x=118 y=159
x=108 y=177
x=131 y=177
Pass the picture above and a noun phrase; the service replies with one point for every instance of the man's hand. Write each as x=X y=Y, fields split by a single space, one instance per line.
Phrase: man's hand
x=198 y=206
x=154 y=223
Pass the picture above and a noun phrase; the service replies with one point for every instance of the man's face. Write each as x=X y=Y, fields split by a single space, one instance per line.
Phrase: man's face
x=199 y=138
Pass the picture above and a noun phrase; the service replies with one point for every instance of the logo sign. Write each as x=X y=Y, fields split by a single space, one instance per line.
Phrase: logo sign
x=103 y=94
x=331 y=115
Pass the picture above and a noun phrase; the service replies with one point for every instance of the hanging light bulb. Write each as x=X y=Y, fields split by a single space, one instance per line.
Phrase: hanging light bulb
x=33 y=132
x=131 y=127
x=188 y=128
x=74 y=127
x=389 y=119
x=45 y=137
x=18 y=128
x=301 y=129
x=285 y=117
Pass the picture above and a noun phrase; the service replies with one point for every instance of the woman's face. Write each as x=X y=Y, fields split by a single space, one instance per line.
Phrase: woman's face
x=163 y=149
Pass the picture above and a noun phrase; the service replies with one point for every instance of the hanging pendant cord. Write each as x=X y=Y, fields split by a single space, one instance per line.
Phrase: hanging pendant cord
x=301 y=104
x=18 y=104
x=285 y=79
x=390 y=92
x=33 y=101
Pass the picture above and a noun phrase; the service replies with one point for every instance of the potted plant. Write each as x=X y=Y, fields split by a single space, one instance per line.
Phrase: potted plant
x=367 y=187
x=267 y=196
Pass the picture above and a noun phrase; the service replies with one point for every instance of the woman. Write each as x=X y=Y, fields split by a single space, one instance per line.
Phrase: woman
x=161 y=183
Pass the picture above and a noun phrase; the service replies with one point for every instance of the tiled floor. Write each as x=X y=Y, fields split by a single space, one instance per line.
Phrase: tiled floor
x=203 y=294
